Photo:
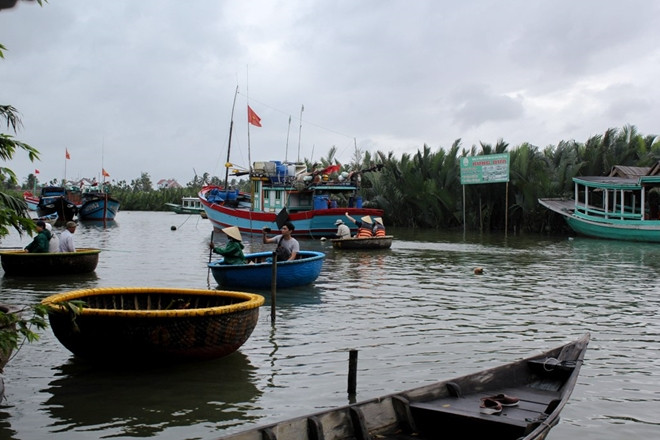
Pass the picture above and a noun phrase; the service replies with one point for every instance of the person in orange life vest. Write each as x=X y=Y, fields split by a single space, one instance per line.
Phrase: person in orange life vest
x=379 y=228
x=365 y=224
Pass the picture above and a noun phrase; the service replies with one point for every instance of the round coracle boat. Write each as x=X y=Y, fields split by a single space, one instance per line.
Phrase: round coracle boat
x=152 y=323
x=384 y=242
x=21 y=262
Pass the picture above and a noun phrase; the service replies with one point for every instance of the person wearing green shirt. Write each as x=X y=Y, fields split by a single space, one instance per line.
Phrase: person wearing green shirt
x=233 y=251
x=41 y=242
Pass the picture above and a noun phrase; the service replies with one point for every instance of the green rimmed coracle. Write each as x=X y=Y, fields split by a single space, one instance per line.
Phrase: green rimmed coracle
x=150 y=323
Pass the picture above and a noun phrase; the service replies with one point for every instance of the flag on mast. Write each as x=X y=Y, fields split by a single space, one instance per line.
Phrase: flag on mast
x=66 y=150
x=105 y=173
x=36 y=171
x=253 y=118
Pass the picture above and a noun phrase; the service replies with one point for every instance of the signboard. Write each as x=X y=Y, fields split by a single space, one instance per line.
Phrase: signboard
x=491 y=168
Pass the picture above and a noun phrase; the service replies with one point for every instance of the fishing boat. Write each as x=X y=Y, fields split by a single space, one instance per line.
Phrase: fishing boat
x=282 y=192
x=23 y=263
x=98 y=205
x=31 y=200
x=383 y=242
x=612 y=207
x=258 y=273
x=188 y=205
x=136 y=324
x=56 y=199
x=527 y=397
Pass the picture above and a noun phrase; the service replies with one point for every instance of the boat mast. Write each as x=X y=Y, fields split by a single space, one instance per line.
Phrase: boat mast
x=231 y=128
x=302 y=109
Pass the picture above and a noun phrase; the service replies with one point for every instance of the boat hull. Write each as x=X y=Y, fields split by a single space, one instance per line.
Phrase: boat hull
x=299 y=272
x=129 y=324
x=98 y=207
x=543 y=383
x=384 y=242
x=23 y=263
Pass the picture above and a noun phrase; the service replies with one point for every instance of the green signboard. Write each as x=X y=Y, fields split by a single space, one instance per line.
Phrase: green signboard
x=485 y=169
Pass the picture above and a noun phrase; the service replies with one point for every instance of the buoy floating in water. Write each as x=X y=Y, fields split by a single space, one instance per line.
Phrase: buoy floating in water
x=172 y=228
x=478 y=270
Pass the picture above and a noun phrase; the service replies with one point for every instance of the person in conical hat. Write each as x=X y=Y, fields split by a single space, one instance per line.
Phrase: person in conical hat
x=343 y=231
x=233 y=251
x=364 y=226
x=378 y=229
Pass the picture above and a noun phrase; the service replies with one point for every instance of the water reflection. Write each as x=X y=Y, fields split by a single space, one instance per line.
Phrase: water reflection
x=146 y=401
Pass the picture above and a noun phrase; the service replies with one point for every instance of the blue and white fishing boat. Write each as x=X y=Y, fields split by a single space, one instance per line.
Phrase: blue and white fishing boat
x=98 y=205
x=258 y=273
x=613 y=207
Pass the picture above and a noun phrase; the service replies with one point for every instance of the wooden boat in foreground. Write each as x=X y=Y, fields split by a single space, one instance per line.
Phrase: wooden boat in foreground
x=542 y=383
x=258 y=274
x=21 y=262
x=130 y=324
x=384 y=242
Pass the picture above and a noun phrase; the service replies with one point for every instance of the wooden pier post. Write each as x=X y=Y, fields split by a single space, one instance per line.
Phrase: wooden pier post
x=352 y=371
x=273 y=289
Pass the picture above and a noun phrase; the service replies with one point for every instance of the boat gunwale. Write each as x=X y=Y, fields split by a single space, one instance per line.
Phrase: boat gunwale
x=251 y=301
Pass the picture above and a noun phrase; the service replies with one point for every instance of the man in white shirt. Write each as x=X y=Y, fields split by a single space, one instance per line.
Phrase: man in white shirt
x=343 y=231
x=66 y=238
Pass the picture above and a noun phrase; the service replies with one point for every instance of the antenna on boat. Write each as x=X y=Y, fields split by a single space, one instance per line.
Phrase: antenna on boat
x=231 y=127
x=302 y=109
x=286 y=151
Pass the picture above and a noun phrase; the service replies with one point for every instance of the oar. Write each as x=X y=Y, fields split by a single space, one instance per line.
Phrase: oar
x=210 y=248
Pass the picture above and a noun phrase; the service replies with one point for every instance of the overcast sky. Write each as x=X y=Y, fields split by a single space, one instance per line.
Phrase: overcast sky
x=147 y=86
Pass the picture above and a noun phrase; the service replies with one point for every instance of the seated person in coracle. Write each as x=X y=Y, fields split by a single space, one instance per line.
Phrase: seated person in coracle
x=365 y=226
x=233 y=251
x=41 y=241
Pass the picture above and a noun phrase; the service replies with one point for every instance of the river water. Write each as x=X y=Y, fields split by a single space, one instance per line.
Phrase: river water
x=416 y=313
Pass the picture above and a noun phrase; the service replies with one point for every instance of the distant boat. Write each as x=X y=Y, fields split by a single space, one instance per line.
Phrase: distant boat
x=188 y=205
x=98 y=205
x=31 y=200
x=517 y=401
x=32 y=264
x=126 y=325
x=384 y=242
x=56 y=199
x=258 y=273
x=612 y=207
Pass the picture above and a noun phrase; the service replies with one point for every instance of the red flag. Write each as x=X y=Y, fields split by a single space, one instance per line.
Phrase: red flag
x=105 y=173
x=36 y=171
x=331 y=169
x=67 y=153
x=253 y=118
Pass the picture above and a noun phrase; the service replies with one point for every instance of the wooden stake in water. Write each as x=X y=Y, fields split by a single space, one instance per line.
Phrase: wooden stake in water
x=273 y=288
x=352 y=371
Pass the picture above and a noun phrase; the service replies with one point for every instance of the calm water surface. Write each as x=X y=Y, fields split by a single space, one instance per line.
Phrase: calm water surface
x=416 y=313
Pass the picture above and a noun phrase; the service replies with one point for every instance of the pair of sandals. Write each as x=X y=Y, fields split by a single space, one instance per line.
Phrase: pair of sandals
x=494 y=404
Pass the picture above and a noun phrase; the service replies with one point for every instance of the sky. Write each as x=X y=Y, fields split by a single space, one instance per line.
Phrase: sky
x=148 y=86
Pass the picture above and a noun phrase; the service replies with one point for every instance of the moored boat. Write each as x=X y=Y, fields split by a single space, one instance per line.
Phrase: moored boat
x=188 y=205
x=612 y=207
x=130 y=324
x=98 y=205
x=31 y=200
x=56 y=199
x=281 y=192
x=383 y=242
x=23 y=263
x=258 y=273
x=528 y=396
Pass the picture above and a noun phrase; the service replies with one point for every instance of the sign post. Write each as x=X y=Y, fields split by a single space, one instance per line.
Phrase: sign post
x=491 y=168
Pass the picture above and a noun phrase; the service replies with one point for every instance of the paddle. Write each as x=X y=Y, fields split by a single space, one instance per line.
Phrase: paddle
x=282 y=217
x=210 y=247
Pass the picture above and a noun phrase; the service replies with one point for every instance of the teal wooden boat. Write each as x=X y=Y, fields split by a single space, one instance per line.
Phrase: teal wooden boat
x=612 y=207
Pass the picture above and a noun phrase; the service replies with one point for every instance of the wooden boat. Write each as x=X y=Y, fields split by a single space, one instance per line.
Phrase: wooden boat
x=612 y=207
x=542 y=383
x=130 y=324
x=258 y=274
x=189 y=205
x=56 y=199
x=21 y=262
x=384 y=242
x=98 y=205
x=31 y=200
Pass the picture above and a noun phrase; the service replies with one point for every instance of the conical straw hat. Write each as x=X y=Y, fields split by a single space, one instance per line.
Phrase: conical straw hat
x=378 y=220
x=366 y=219
x=233 y=232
